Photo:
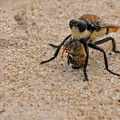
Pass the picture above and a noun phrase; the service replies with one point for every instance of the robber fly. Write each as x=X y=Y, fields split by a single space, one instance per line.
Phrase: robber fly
x=86 y=30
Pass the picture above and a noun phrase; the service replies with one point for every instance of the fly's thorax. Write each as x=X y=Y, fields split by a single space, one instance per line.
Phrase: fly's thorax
x=96 y=34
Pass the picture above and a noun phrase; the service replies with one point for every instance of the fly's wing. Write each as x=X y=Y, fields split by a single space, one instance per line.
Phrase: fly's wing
x=111 y=27
x=92 y=18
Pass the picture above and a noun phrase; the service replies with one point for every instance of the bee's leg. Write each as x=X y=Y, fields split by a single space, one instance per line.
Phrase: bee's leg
x=105 y=58
x=106 y=40
x=86 y=61
x=56 y=52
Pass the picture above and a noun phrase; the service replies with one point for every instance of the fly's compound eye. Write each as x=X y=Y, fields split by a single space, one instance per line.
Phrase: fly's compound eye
x=82 y=26
x=71 y=23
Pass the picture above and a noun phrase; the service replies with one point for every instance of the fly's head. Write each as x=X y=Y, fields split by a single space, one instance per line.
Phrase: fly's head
x=78 y=25
x=79 y=29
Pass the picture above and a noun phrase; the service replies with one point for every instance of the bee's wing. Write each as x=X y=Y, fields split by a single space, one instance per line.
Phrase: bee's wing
x=111 y=27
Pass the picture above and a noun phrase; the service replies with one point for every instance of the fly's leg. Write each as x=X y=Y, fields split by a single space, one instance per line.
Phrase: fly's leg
x=86 y=61
x=106 y=40
x=105 y=58
x=56 y=52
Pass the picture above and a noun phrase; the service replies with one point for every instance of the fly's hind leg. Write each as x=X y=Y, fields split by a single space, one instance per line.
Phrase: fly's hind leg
x=105 y=58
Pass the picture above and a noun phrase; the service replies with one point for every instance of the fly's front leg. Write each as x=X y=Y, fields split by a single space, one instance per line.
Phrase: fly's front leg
x=56 y=52
x=86 y=61
x=54 y=46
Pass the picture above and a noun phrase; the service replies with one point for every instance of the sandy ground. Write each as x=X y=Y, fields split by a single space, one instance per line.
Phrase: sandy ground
x=54 y=91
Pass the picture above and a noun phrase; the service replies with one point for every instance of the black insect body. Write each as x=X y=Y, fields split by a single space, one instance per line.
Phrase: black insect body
x=86 y=30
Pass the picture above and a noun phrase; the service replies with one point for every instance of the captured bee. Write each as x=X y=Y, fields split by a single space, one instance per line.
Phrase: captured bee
x=86 y=29
x=75 y=53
